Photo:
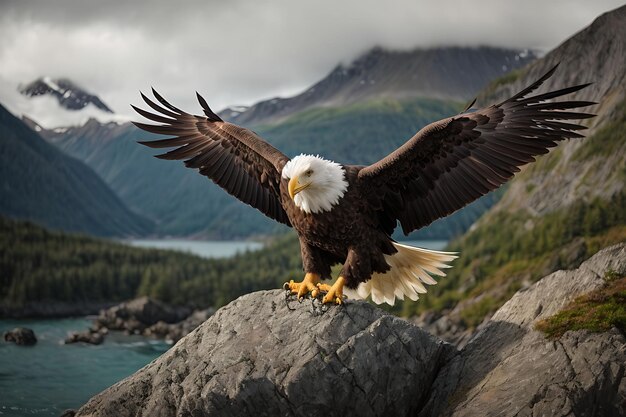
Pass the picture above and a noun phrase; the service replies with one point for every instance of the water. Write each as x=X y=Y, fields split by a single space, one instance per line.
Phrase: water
x=204 y=248
x=426 y=244
x=49 y=377
x=225 y=249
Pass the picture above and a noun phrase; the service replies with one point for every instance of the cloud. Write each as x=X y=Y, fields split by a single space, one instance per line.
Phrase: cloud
x=238 y=52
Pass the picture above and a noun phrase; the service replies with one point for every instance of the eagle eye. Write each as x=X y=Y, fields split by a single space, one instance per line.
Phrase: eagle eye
x=308 y=172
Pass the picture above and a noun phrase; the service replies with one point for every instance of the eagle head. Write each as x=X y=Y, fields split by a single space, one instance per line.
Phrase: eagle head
x=315 y=184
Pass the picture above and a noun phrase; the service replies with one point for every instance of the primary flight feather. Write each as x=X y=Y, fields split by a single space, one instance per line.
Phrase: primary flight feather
x=347 y=213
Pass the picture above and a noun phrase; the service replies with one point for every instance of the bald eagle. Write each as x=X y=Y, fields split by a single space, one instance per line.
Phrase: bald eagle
x=347 y=213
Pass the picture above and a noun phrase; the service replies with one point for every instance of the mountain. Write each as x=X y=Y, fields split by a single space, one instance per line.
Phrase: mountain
x=184 y=203
x=40 y=183
x=68 y=94
x=451 y=73
x=560 y=210
x=594 y=55
x=56 y=103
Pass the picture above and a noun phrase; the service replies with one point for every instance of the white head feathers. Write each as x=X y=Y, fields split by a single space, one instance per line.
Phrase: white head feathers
x=327 y=181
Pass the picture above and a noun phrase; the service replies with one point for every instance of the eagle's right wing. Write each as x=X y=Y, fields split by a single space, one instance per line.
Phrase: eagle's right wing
x=234 y=158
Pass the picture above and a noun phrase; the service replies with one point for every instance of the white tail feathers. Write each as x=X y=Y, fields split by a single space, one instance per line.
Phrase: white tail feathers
x=411 y=268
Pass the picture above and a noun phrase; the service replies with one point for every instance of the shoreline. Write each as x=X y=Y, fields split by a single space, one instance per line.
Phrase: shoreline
x=54 y=310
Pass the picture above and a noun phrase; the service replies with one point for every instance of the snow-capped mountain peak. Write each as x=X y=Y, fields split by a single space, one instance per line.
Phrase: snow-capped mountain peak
x=69 y=95
x=55 y=103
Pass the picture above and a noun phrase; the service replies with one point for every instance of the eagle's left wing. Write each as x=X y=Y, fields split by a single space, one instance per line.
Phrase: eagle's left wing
x=454 y=161
x=235 y=158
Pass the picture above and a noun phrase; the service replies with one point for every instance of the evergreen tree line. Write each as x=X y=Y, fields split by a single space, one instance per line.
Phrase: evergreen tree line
x=38 y=265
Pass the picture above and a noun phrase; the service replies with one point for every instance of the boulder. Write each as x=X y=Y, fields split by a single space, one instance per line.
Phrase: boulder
x=173 y=332
x=134 y=316
x=87 y=336
x=21 y=336
x=266 y=354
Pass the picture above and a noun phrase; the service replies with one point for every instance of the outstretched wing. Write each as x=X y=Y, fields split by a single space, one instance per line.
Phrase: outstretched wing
x=235 y=158
x=454 y=161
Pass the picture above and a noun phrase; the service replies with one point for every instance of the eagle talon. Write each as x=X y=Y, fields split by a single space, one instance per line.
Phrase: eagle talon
x=335 y=293
x=305 y=287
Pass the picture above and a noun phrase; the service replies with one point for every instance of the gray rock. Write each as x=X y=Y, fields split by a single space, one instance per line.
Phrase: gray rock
x=134 y=316
x=21 y=336
x=87 y=336
x=510 y=369
x=264 y=355
x=175 y=331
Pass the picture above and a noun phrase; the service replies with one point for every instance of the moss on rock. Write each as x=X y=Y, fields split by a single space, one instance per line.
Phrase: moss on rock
x=597 y=311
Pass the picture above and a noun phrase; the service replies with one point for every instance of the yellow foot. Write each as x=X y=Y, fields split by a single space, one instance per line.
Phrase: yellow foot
x=321 y=288
x=335 y=293
x=308 y=284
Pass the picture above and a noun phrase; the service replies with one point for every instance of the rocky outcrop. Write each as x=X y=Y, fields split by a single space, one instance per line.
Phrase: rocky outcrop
x=147 y=317
x=265 y=354
x=510 y=369
x=88 y=336
x=137 y=315
x=21 y=336
x=173 y=332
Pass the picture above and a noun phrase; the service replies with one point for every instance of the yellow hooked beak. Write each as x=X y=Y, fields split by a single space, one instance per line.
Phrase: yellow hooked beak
x=295 y=187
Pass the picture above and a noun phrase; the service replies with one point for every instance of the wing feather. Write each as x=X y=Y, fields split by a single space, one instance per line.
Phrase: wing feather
x=234 y=158
x=451 y=163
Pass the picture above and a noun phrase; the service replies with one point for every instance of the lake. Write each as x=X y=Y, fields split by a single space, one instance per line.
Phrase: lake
x=203 y=248
x=225 y=249
x=49 y=377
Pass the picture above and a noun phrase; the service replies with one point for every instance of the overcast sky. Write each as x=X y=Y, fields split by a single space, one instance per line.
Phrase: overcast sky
x=238 y=52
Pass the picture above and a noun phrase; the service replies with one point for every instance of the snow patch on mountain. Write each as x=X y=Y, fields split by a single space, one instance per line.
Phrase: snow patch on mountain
x=47 y=111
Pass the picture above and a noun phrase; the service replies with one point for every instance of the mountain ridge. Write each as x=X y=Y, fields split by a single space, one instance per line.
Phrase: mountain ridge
x=446 y=73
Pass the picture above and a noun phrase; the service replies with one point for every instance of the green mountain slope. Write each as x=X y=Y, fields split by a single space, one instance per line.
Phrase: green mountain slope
x=179 y=200
x=40 y=183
